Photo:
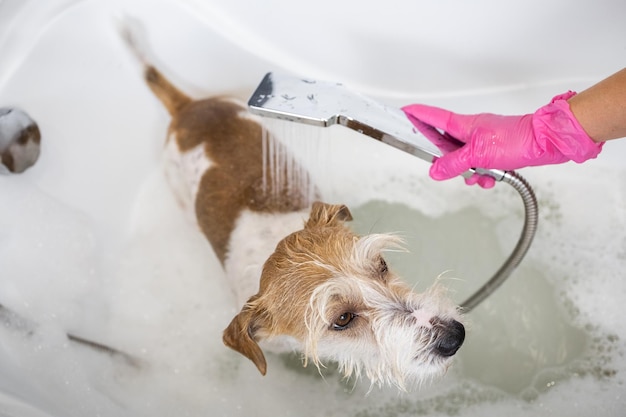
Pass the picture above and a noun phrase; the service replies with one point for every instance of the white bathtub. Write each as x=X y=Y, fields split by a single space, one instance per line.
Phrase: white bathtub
x=92 y=243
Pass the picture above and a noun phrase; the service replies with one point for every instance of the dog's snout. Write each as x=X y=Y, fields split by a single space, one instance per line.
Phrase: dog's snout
x=451 y=337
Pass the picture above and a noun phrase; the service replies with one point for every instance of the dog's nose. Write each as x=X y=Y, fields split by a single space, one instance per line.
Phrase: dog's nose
x=451 y=338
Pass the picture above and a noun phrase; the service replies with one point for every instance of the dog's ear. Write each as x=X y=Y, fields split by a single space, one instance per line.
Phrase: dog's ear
x=323 y=214
x=239 y=336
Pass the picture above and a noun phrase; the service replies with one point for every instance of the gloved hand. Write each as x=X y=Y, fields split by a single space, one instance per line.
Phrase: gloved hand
x=551 y=135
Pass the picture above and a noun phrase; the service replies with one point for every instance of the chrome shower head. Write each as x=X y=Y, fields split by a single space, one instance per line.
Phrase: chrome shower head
x=323 y=104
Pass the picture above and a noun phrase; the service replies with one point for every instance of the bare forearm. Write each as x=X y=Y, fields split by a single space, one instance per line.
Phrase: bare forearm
x=601 y=109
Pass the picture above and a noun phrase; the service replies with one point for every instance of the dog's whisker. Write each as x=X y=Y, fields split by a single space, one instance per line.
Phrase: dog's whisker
x=443 y=276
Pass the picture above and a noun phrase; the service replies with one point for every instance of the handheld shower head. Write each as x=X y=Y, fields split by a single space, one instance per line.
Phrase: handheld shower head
x=323 y=104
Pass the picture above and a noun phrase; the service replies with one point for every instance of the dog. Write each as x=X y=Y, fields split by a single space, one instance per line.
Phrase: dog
x=20 y=140
x=304 y=280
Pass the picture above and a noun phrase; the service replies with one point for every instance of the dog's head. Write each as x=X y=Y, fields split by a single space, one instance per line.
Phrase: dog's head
x=332 y=292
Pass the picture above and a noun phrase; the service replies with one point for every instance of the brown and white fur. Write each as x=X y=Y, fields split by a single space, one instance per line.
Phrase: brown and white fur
x=20 y=140
x=303 y=279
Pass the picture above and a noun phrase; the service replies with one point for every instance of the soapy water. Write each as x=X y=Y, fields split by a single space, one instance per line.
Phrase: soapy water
x=529 y=346
x=94 y=244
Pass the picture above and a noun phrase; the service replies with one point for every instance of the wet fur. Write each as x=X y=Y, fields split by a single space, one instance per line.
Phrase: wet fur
x=305 y=270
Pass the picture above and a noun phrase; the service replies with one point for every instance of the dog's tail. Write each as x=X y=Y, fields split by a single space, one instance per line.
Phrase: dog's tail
x=133 y=34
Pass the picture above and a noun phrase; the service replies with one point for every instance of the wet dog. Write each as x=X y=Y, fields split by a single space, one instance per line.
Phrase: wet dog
x=303 y=279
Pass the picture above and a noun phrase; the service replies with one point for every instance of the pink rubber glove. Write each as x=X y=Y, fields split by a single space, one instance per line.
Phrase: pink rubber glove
x=551 y=135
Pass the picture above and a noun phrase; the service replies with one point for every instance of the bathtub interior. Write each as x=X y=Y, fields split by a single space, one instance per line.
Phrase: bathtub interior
x=93 y=242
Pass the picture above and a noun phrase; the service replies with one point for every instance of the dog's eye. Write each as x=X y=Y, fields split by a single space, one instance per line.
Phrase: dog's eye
x=383 y=268
x=342 y=322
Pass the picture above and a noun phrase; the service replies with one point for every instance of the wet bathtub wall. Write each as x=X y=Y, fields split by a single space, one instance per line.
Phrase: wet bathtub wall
x=420 y=48
x=92 y=242
x=408 y=49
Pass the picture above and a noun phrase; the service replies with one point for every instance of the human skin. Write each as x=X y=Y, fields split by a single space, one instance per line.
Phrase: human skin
x=601 y=109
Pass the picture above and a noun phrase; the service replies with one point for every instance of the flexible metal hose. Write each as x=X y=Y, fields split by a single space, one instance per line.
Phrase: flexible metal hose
x=518 y=253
